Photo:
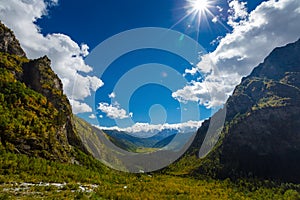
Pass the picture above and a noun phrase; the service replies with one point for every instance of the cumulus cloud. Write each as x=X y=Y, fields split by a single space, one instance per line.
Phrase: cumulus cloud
x=272 y=24
x=79 y=107
x=113 y=111
x=237 y=12
x=188 y=126
x=213 y=92
x=66 y=55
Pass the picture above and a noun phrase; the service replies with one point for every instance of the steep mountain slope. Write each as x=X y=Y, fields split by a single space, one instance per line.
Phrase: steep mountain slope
x=164 y=142
x=261 y=136
x=35 y=115
x=95 y=143
x=35 y=119
x=8 y=42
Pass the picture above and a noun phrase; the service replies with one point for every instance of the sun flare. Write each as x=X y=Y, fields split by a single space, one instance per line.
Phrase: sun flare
x=199 y=5
x=200 y=13
x=200 y=8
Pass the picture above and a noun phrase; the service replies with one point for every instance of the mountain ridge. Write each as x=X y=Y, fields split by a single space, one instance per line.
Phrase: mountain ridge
x=264 y=105
x=261 y=135
x=38 y=160
x=136 y=141
x=41 y=121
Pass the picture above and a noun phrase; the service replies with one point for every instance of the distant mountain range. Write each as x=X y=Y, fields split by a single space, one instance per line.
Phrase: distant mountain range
x=129 y=142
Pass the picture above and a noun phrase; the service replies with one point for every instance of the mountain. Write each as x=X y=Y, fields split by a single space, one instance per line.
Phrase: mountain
x=129 y=142
x=8 y=42
x=261 y=135
x=40 y=139
x=164 y=142
x=35 y=116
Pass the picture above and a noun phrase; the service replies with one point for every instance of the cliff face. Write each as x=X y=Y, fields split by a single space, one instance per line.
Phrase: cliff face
x=261 y=136
x=35 y=115
x=39 y=76
x=8 y=42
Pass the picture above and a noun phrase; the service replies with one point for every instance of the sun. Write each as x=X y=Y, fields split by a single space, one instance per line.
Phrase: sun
x=199 y=13
x=199 y=5
x=200 y=8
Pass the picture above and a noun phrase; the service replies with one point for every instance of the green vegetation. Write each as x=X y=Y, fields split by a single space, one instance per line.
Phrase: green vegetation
x=29 y=122
x=39 y=145
x=273 y=101
x=129 y=146
x=12 y=62
x=18 y=168
x=123 y=143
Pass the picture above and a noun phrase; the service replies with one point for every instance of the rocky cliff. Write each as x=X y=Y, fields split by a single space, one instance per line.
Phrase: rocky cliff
x=261 y=136
x=35 y=116
x=8 y=42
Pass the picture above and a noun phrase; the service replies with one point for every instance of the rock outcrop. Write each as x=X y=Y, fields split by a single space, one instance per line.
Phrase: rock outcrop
x=8 y=42
x=35 y=116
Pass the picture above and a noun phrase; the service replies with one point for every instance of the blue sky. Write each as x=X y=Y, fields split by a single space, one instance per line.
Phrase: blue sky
x=236 y=35
x=95 y=21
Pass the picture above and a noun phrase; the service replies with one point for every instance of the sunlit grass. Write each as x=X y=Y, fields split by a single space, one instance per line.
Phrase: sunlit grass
x=118 y=185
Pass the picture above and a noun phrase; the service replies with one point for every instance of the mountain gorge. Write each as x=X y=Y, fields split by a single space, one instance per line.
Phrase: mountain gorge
x=44 y=145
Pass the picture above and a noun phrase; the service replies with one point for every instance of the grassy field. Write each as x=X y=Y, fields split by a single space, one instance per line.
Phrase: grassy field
x=110 y=184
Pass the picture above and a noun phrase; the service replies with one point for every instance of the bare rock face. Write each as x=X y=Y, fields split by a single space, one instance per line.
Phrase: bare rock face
x=261 y=137
x=8 y=42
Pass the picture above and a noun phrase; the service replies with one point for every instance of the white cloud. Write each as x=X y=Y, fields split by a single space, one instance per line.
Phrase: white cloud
x=112 y=95
x=215 y=19
x=188 y=126
x=237 y=12
x=84 y=50
x=220 y=9
x=66 y=55
x=205 y=66
x=81 y=86
x=192 y=71
x=113 y=111
x=80 y=107
x=213 y=92
x=92 y=116
x=273 y=23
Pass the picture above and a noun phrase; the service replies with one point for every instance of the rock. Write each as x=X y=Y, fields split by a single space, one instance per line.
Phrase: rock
x=8 y=42
x=262 y=130
x=45 y=124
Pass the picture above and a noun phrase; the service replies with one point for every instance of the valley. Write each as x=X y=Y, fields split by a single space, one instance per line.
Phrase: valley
x=47 y=152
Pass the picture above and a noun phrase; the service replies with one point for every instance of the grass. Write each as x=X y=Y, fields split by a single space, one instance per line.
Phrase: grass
x=27 y=114
x=145 y=150
x=118 y=185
